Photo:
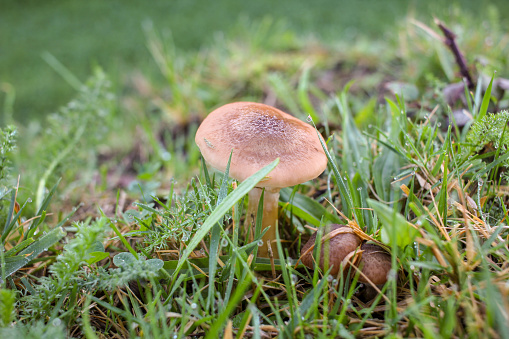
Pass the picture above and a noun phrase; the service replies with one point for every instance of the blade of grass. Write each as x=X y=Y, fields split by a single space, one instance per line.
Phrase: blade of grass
x=123 y=240
x=485 y=101
x=215 y=236
x=221 y=209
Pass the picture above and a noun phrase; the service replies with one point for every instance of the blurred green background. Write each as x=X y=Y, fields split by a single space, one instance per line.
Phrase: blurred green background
x=81 y=34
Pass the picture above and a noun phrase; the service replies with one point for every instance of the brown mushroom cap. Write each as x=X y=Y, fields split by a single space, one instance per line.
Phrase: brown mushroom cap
x=339 y=247
x=258 y=134
x=376 y=264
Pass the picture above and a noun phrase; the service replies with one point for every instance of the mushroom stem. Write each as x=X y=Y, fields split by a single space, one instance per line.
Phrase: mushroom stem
x=269 y=218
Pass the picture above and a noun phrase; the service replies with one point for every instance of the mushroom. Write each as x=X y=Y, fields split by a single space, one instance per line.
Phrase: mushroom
x=258 y=134
x=338 y=240
x=376 y=264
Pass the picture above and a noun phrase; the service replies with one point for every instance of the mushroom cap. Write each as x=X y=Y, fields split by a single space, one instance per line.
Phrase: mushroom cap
x=339 y=247
x=376 y=264
x=258 y=134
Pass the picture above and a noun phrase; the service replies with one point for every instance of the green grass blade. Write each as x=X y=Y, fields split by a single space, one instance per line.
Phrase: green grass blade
x=42 y=209
x=304 y=96
x=234 y=302
x=43 y=243
x=308 y=209
x=123 y=240
x=394 y=225
x=19 y=247
x=32 y=251
x=65 y=73
x=485 y=101
x=220 y=211
x=215 y=236
x=348 y=206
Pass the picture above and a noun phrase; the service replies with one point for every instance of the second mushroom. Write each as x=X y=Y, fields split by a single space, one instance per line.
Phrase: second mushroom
x=341 y=243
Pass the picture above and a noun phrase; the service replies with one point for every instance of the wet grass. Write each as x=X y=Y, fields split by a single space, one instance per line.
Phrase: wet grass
x=69 y=31
x=116 y=228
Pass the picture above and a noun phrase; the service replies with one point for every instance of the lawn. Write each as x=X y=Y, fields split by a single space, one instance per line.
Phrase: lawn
x=69 y=31
x=113 y=224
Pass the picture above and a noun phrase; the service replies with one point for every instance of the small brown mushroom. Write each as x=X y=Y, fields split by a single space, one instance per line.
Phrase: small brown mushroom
x=376 y=264
x=338 y=240
x=258 y=134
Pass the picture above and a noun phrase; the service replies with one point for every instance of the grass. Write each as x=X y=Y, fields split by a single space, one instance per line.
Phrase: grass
x=97 y=241
x=69 y=31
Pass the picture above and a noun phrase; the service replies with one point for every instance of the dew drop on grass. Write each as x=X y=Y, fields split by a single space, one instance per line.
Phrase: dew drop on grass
x=359 y=189
x=193 y=306
x=309 y=119
x=29 y=200
x=392 y=275
x=260 y=243
x=329 y=278
x=294 y=279
x=56 y=322
x=165 y=156
x=224 y=243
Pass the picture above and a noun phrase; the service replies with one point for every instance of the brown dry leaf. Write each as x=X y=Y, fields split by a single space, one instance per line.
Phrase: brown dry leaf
x=405 y=189
x=470 y=249
x=197 y=254
x=471 y=203
x=483 y=200
x=423 y=183
x=363 y=235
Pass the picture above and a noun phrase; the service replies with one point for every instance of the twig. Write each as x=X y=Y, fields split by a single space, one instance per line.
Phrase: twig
x=460 y=59
x=271 y=257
